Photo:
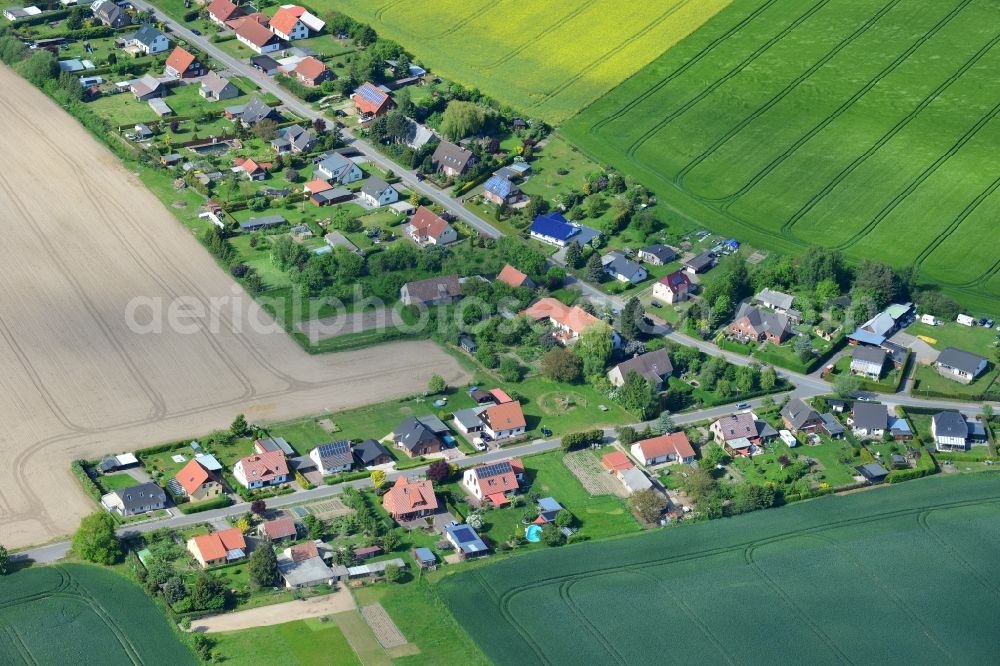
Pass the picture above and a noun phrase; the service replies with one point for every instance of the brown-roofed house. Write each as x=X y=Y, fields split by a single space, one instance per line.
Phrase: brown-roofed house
x=311 y=72
x=672 y=448
x=452 y=160
x=654 y=367
x=221 y=11
x=218 y=547
x=428 y=228
x=256 y=36
x=432 y=291
x=753 y=323
x=407 y=500
x=504 y=421
x=515 y=278
x=182 y=64
x=280 y=528
x=197 y=482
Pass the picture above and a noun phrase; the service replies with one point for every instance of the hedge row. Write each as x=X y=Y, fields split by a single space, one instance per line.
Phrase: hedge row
x=343 y=477
x=89 y=487
x=197 y=507
x=579 y=440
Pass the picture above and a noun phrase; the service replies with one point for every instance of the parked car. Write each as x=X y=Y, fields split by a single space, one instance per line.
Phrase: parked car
x=546 y=432
x=743 y=405
x=196 y=31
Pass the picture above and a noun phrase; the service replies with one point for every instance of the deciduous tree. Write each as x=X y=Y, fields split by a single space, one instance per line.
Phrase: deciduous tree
x=436 y=384
x=95 y=540
x=561 y=365
x=263 y=565
x=649 y=505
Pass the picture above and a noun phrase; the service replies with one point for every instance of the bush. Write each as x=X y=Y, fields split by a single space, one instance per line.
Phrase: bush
x=579 y=440
x=80 y=472
x=900 y=475
x=206 y=505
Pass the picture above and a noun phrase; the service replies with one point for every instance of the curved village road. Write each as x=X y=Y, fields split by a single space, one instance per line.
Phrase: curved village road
x=83 y=238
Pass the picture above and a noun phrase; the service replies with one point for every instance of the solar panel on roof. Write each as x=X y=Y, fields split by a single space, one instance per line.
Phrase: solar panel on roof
x=464 y=534
x=333 y=448
x=496 y=469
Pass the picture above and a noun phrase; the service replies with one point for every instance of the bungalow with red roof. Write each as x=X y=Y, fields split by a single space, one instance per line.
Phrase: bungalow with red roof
x=251 y=169
x=568 y=322
x=370 y=101
x=278 y=529
x=311 y=72
x=673 y=288
x=221 y=11
x=407 y=500
x=427 y=228
x=504 y=421
x=515 y=278
x=197 y=482
x=183 y=65
x=261 y=469
x=218 y=547
x=672 y=448
x=256 y=36
x=494 y=482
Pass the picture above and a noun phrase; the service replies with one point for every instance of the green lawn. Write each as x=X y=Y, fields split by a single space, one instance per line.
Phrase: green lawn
x=846 y=124
x=928 y=379
x=765 y=468
x=975 y=339
x=301 y=643
x=117 y=481
x=886 y=383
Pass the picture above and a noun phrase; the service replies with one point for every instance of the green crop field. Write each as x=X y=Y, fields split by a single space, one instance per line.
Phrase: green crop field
x=864 y=125
x=77 y=614
x=547 y=58
x=902 y=574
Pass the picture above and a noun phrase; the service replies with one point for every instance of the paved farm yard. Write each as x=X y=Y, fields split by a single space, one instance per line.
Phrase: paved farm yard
x=853 y=124
x=79 y=382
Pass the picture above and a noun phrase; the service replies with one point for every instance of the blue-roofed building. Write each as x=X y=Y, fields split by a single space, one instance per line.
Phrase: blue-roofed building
x=554 y=229
x=425 y=558
x=500 y=190
x=465 y=540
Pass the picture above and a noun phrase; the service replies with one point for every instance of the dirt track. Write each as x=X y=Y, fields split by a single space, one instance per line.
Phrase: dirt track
x=81 y=237
x=340 y=601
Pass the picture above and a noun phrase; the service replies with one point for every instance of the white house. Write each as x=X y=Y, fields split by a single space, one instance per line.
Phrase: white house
x=334 y=167
x=494 y=482
x=504 y=421
x=287 y=23
x=960 y=365
x=672 y=448
x=621 y=268
x=950 y=431
x=261 y=469
x=376 y=192
x=333 y=458
x=148 y=40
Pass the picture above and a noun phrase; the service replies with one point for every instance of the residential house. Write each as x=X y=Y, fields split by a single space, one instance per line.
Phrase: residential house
x=869 y=420
x=669 y=449
x=428 y=228
x=221 y=11
x=673 y=288
x=960 y=365
x=311 y=72
x=371 y=101
x=131 y=501
x=417 y=135
x=742 y=433
x=250 y=168
x=657 y=254
x=432 y=291
x=272 y=444
x=198 y=482
x=279 y=529
x=554 y=229
x=252 y=112
x=218 y=547
x=452 y=160
x=294 y=139
x=753 y=323
x=311 y=21
x=515 y=278
x=256 y=36
x=567 y=322
x=287 y=24
x=774 y=300
x=654 y=366
x=147 y=87
x=333 y=457
x=465 y=541
x=504 y=420
x=616 y=461
x=800 y=417
x=623 y=269
x=376 y=192
x=873 y=472
x=261 y=469
x=258 y=223
x=110 y=14
x=215 y=88
x=334 y=167
x=950 y=431
x=501 y=190
x=877 y=330
x=699 y=263
x=407 y=500
x=371 y=453
x=148 y=40
x=415 y=438
x=494 y=482
x=868 y=361
x=302 y=565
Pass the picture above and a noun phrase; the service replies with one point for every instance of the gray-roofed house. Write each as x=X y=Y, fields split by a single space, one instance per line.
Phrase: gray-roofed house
x=110 y=14
x=469 y=420
x=873 y=472
x=148 y=40
x=753 y=323
x=623 y=269
x=798 y=416
x=867 y=361
x=303 y=566
x=214 y=87
x=869 y=420
x=775 y=300
x=654 y=366
x=370 y=453
x=432 y=291
x=376 y=192
x=337 y=168
x=147 y=88
x=960 y=365
x=452 y=160
x=295 y=139
x=333 y=457
x=950 y=431
x=700 y=263
x=256 y=223
x=255 y=111
x=136 y=499
x=832 y=427
x=657 y=254
x=416 y=439
x=417 y=135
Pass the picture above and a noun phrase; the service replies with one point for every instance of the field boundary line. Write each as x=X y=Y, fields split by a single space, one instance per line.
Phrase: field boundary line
x=718 y=83
x=823 y=124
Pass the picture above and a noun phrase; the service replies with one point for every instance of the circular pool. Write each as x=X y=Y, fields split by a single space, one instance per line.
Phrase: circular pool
x=533 y=533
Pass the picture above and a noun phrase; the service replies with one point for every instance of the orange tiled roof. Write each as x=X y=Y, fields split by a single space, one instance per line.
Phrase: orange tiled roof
x=406 y=497
x=507 y=416
x=284 y=20
x=192 y=476
x=616 y=461
x=512 y=276
x=180 y=60
x=574 y=318
x=676 y=443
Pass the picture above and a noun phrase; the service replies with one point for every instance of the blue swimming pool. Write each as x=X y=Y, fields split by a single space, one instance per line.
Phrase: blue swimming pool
x=533 y=533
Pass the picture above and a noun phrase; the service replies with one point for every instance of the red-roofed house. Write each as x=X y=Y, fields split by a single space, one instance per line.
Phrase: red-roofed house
x=183 y=65
x=673 y=288
x=218 y=547
x=287 y=23
x=616 y=461
x=407 y=500
x=515 y=278
x=494 y=482
x=568 y=322
x=221 y=11
x=369 y=101
x=504 y=421
x=672 y=448
x=311 y=72
x=426 y=228
x=261 y=469
x=255 y=35
x=281 y=528
x=303 y=551
x=251 y=169
x=197 y=482
x=317 y=186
